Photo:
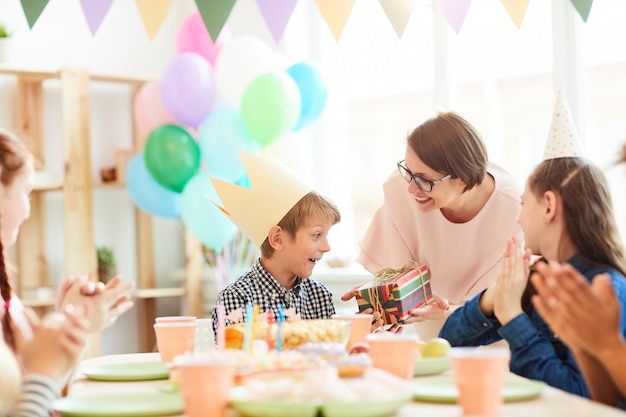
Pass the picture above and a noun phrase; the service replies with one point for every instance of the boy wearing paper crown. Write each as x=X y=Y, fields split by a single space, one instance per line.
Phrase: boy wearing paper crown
x=566 y=216
x=289 y=222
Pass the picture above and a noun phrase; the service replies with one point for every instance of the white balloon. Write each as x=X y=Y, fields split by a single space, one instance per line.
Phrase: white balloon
x=241 y=60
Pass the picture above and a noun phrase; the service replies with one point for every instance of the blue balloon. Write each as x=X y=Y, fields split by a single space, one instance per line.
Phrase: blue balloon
x=207 y=222
x=223 y=135
x=313 y=92
x=149 y=195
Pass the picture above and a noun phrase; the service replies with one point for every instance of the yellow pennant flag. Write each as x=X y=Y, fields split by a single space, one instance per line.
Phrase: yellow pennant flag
x=516 y=9
x=153 y=13
x=336 y=14
x=398 y=12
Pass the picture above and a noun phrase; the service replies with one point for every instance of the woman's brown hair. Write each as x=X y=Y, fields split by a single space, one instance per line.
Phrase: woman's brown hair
x=449 y=144
x=13 y=157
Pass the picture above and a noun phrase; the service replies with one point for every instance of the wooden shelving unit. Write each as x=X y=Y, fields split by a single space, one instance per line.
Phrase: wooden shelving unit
x=77 y=188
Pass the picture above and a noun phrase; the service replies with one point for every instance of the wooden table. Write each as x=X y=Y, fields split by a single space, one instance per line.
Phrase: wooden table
x=551 y=403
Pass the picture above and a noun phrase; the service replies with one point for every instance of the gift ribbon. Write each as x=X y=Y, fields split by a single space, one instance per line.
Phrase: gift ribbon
x=384 y=274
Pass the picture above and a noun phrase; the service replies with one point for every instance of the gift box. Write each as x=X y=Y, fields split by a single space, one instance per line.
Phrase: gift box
x=396 y=292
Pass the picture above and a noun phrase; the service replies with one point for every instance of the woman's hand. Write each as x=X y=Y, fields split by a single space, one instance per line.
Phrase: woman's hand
x=508 y=290
x=435 y=310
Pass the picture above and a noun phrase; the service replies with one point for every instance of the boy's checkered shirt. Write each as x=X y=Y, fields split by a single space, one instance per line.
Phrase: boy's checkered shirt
x=310 y=298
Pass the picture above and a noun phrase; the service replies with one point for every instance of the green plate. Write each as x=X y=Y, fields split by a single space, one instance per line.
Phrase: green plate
x=140 y=371
x=443 y=389
x=121 y=405
x=273 y=408
x=365 y=408
x=278 y=408
x=431 y=366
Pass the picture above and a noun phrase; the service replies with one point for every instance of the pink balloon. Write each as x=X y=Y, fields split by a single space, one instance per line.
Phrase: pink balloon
x=150 y=110
x=194 y=37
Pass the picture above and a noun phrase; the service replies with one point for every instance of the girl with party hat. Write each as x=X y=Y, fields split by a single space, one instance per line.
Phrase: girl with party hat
x=587 y=316
x=566 y=216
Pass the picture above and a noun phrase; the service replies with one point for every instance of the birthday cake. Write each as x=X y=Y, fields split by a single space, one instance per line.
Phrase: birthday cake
x=293 y=333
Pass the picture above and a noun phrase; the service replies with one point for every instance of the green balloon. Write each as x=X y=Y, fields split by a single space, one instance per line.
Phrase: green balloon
x=270 y=106
x=172 y=156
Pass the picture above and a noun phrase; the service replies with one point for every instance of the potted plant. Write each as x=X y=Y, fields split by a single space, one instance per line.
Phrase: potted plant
x=106 y=264
x=5 y=42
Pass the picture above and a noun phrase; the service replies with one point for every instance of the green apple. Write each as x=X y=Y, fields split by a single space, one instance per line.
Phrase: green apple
x=436 y=347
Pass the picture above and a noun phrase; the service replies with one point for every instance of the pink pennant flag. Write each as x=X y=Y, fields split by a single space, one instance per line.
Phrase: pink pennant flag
x=94 y=12
x=276 y=14
x=454 y=11
x=398 y=12
x=516 y=10
x=336 y=14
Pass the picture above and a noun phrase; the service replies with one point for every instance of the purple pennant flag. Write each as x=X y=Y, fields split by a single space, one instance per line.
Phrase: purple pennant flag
x=276 y=14
x=94 y=12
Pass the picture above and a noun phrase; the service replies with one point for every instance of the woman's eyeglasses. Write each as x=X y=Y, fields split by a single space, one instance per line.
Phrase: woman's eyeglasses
x=423 y=184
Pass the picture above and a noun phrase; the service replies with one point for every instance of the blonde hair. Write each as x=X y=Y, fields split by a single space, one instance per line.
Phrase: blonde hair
x=311 y=205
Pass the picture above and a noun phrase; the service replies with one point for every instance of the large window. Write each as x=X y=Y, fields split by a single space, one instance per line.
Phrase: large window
x=503 y=80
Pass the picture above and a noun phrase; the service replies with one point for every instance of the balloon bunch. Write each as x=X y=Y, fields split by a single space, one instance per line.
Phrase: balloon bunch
x=213 y=99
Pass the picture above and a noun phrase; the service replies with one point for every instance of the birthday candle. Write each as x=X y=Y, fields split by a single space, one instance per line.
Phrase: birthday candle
x=279 y=330
x=268 y=332
x=247 y=339
x=221 y=320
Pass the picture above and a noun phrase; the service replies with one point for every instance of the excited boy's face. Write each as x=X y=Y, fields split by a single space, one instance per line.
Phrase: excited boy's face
x=310 y=243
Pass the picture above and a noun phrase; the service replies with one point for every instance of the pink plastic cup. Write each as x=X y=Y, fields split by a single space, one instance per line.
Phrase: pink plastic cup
x=206 y=384
x=174 y=338
x=360 y=325
x=394 y=353
x=480 y=375
x=175 y=319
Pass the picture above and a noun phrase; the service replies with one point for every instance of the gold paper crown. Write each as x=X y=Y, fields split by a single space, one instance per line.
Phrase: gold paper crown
x=563 y=139
x=274 y=190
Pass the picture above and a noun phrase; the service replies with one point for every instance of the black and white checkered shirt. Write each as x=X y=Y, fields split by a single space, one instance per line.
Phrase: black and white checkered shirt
x=310 y=298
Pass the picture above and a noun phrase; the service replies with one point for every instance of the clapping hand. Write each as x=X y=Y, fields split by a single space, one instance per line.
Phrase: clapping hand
x=508 y=290
x=105 y=302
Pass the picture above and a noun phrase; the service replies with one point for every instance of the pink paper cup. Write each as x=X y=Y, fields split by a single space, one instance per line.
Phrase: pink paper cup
x=175 y=319
x=206 y=384
x=174 y=338
x=480 y=375
x=394 y=353
x=360 y=325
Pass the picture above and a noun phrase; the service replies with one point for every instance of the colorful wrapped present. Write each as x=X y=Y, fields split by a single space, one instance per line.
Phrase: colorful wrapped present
x=395 y=292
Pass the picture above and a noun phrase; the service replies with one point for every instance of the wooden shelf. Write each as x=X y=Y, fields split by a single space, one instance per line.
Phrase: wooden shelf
x=159 y=292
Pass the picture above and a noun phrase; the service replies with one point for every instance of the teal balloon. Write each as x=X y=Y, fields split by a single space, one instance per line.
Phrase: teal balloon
x=313 y=92
x=270 y=106
x=147 y=194
x=198 y=213
x=172 y=156
x=223 y=135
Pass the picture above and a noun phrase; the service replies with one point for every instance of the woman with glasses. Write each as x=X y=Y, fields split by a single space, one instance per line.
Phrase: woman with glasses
x=448 y=207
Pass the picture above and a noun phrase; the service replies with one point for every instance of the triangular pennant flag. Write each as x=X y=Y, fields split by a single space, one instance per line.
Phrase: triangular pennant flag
x=153 y=13
x=276 y=14
x=563 y=140
x=214 y=14
x=336 y=14
x=454 y=11
x=94 y=12
x=583 y=7
x=32 y=10
x=398 y=12
x=516 y=10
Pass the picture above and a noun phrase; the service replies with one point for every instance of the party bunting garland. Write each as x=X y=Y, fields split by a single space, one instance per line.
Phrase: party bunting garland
x=277 y=13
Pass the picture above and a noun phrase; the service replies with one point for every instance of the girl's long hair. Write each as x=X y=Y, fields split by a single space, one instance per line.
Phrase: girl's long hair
x=13 y=157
